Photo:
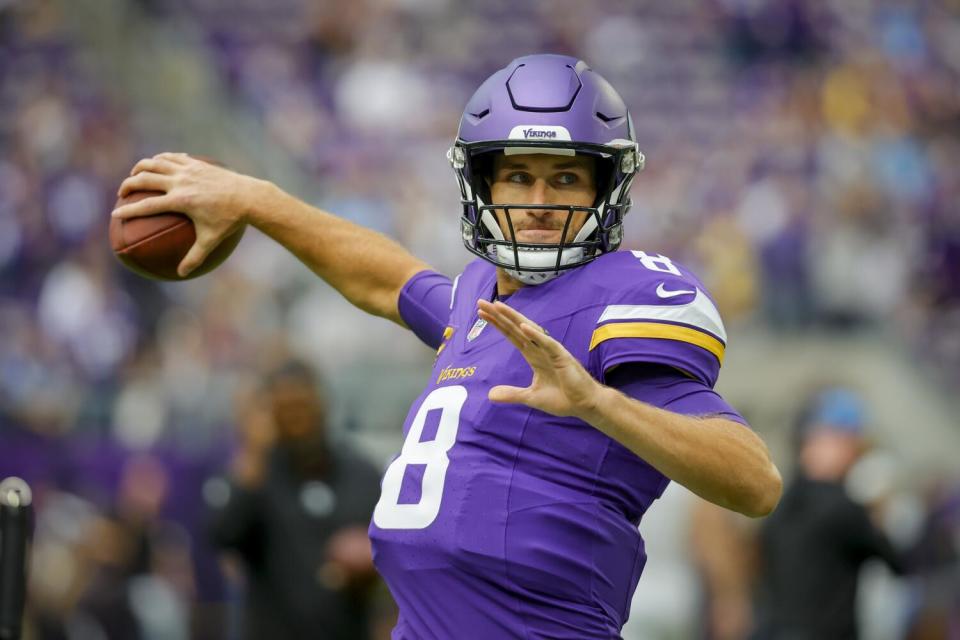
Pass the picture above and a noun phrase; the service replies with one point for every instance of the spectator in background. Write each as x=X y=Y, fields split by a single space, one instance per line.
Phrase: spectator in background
x=812 y=547
x=296 y=513
x=123 y=572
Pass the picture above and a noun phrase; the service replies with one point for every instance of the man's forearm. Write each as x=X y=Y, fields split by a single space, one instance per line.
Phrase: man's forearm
x=366 y=267
x=718 y=459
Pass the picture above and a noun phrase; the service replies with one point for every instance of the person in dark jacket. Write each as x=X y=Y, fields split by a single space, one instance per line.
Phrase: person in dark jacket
x=295 y=511
x=814 y=544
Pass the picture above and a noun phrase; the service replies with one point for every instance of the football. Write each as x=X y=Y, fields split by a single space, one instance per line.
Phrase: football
x=153 y=246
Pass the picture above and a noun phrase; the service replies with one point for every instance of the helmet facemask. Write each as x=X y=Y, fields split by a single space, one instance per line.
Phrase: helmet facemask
x=534 y=263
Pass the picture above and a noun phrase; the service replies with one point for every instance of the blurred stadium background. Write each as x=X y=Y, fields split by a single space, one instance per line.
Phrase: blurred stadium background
x=803 y=158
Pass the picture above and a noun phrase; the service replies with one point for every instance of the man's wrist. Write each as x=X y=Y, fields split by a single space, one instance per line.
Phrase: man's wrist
x=597 y=402
x=260 y=200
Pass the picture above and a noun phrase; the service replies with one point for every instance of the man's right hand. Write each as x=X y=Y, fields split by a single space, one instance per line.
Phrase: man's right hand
x=215 y=199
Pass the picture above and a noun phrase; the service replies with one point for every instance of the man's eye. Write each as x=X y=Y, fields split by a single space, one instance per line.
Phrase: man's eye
x=567 y=178
x=518 y=178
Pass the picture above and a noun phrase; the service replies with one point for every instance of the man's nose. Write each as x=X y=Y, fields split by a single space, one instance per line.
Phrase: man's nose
x=539 y=194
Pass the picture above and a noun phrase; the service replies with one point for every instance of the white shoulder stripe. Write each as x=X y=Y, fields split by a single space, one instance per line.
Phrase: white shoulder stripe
x=453 y=291
x=700 y=314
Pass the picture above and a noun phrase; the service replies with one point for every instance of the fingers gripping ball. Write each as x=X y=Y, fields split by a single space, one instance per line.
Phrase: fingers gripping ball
x=153 y=246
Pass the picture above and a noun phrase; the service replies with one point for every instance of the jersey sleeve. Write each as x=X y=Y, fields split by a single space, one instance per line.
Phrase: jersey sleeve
x=659 y=317
x=667 y=388
x=424 y=305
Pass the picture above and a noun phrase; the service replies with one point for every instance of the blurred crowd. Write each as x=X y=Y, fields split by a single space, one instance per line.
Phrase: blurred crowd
x=803 y=158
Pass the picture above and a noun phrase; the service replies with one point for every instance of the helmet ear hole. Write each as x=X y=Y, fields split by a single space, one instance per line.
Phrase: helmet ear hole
x=481 y=168
x=603 y=179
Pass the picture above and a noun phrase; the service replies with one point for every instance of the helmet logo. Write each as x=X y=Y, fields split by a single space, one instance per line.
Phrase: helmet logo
x=539 y=132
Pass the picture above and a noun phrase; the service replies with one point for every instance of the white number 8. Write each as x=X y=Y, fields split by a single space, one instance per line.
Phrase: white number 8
x=389 y=513
x=658 y=262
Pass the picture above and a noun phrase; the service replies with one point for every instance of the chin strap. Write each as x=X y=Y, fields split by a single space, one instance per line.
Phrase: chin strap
x=532 y=278
x=535 y=258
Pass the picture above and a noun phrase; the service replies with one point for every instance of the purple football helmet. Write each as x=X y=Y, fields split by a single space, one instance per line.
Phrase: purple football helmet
x=547 y=104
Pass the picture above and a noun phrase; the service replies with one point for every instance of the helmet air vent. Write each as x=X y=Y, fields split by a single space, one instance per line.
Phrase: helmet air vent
x=610 y=121
x=540 y=86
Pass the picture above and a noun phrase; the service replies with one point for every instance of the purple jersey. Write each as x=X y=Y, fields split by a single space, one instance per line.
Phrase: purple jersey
x=501 y=521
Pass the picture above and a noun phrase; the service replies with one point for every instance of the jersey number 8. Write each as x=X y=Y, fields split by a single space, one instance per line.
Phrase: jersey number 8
x=390 y=513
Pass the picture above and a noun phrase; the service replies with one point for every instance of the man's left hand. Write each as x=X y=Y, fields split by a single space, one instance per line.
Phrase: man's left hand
x=560 y=386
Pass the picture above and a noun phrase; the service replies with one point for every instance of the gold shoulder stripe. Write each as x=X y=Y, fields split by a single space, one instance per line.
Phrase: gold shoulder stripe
x=659 y=331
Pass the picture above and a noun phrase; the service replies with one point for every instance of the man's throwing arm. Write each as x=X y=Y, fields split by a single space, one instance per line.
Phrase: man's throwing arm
x=366 y=267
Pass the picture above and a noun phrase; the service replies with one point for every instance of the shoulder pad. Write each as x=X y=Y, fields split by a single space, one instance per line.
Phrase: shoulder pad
x=656 y=310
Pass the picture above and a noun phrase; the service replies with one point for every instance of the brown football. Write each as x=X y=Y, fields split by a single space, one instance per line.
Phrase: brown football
x=153 y=246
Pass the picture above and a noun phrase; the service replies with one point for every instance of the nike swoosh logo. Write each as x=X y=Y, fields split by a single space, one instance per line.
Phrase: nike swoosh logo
x=663 y=293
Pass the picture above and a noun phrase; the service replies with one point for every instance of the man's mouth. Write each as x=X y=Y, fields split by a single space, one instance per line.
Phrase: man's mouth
x=538 y=235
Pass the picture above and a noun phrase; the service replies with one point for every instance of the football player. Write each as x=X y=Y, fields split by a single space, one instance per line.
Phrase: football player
x=573 y=381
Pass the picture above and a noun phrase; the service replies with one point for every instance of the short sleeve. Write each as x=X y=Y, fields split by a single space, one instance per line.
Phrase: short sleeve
x=424 y=305
x=683 y=331
x=669 y=389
